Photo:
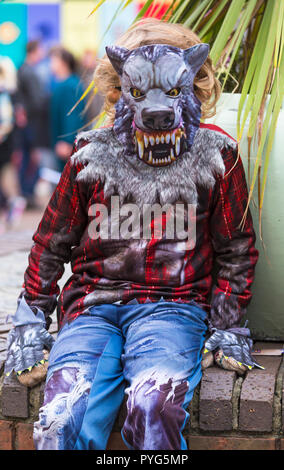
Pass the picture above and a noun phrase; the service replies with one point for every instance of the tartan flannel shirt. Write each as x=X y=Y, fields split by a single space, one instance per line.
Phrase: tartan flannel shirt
x=62 y=237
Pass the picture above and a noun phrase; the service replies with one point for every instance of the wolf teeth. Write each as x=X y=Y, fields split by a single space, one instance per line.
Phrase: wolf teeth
x=142 y=141
x=140 y=149
x=159 y=161
x=177 y=147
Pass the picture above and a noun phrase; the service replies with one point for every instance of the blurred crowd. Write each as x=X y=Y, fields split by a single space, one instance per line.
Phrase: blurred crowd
x=37 y=130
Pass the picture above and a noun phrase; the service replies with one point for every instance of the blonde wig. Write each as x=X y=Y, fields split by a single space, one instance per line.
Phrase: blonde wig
x=153 y=31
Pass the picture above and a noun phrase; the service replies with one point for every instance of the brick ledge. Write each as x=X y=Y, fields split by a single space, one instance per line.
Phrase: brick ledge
x=227 y=412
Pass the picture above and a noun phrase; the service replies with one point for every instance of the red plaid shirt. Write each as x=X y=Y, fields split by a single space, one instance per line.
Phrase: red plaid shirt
x=62 y=237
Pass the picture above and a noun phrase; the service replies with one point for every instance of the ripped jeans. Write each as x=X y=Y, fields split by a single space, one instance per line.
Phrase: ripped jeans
x=151 y=352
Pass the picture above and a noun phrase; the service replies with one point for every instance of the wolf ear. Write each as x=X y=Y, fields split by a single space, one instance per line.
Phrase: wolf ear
x=196 y=55
x=117 y=56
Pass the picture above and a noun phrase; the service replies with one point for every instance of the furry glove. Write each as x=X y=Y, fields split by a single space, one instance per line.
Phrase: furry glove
x=28 y=344
x=232 y=350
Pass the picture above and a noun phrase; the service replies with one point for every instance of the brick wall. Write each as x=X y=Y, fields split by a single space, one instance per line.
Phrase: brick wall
x=227 y=412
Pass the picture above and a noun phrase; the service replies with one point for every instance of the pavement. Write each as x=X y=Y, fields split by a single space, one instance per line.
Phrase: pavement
x=15 y=245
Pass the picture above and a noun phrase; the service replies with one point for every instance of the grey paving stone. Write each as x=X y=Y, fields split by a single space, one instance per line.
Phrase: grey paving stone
x=12 y=269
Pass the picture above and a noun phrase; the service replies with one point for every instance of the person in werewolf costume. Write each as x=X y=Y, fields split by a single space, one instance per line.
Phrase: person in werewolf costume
x=135 y=314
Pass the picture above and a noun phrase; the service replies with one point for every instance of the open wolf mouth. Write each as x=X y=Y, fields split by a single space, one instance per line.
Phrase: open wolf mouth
x=159 y=148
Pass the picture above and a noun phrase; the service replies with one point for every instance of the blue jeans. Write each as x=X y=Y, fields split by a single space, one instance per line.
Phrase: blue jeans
x=151 y=352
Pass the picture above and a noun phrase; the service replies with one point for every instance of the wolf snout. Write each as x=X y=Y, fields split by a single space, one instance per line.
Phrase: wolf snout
x=158 y=119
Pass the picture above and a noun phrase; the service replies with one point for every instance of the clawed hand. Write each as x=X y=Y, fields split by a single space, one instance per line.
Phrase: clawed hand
x=27 y=353
x=230 y=349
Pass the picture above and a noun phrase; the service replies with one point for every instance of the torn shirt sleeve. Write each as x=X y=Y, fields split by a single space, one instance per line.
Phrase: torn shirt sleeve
x=59 y=230
x=234 y=246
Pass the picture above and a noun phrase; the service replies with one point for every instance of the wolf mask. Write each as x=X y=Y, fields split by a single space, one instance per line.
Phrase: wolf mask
x=158 y=113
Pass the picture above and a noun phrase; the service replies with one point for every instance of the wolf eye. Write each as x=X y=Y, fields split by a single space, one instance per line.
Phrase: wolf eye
x=136 y=93
x=173 y=92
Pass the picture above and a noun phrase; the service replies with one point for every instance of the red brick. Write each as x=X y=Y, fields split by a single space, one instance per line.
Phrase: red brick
x=230 y=443
x=115 y=442
x=215 y=403
x=14 y=398
x=6 y=435
x=24 y=436
x=281 y=444
x=257 y=395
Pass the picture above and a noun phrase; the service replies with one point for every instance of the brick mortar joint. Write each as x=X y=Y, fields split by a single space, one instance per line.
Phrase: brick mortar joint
x=277 y=399
x=236 y=433
x=236 y=397
x=194 y=409
x=14 y=433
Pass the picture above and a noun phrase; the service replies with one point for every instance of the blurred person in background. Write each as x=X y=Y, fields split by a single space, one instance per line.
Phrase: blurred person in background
x=9 y=204
x=88 y=65
x=32 y=130
x=67 y=90
x=7 y=88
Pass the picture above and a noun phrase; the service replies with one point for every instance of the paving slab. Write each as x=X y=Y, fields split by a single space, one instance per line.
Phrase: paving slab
x=14 y=241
